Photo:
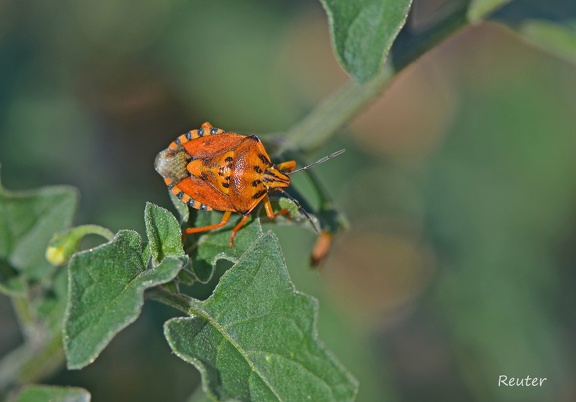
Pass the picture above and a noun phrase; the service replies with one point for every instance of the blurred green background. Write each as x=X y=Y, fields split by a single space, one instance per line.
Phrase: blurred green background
x=459 y=183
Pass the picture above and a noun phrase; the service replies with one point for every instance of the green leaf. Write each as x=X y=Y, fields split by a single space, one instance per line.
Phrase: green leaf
x=28 y=220
x=480 y=9
x=363 y=32
x=163 y=231
x=255 y=337
x=106 y=286
x=43 y=393
x=214 y=245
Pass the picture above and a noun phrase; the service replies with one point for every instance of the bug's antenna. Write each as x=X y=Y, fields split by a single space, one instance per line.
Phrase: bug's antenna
x=319 y=161
x=295 y=201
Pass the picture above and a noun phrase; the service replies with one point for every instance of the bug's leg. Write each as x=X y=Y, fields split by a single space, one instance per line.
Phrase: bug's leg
x=286 y=166
x=270 y=211
x=225 y=219
x=237 y=228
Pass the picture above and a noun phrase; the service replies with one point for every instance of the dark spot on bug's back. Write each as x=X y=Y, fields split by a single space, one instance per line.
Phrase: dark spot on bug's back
x=258 y=169
x=191 y=202
x=213 y=130
x=171 y=186
x=177 y=141
x=254 y=137
x=200 y=132
x=227 y=178
x=229 y=159
x=225 y=185
x=229 y=166
x=264 y=159
x=255 y=183
x=189 y=135
x=203 y=207
x=259 y=194
x=180 y=195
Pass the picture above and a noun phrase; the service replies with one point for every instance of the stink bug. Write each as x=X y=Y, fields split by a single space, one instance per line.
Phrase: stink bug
x=210 y=169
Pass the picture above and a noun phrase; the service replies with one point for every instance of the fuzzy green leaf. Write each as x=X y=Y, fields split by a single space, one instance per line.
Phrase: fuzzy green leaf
x=163 y=231
x=363 y=32
x=255 y=337
x=28 y=220
x=106 y=286
x=43 y=393
x=214 y=245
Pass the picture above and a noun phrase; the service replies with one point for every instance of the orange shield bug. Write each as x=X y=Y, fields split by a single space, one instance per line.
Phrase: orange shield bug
x=210 y=169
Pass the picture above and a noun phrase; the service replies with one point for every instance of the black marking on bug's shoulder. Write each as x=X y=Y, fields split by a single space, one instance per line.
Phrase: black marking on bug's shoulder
x=177 y=141
x=259 y=194
x=258 y=169
x=254 y=137
x=213 y=130
x=270 y=176
x=203 y=207
x=180 y=195
x=225 y=184
x=264 y=159
x=200 y=132
x=189 y=136
x=255 y=183
x=191 y=202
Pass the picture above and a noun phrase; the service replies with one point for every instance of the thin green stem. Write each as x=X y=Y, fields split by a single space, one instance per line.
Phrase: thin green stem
x=95 y=229
x=31 y=362
x=176 y=300
x=331 y=114
x=46 y=360
x=26 y=316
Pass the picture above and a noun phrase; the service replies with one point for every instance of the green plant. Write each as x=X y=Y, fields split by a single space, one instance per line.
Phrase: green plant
x=103 y=289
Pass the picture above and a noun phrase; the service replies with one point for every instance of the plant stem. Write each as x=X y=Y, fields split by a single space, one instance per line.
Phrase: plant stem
x=31 y=362
x=331 y=114
x=178 y=301
x=95 y=229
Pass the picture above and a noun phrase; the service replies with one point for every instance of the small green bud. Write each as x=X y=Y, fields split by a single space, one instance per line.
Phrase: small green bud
x=64 y=244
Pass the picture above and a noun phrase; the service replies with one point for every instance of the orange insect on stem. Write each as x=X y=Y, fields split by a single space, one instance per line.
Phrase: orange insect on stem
x=211 y=169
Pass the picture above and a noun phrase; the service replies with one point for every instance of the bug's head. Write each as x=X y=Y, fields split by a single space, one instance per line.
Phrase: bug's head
x=321 y=160
x=275 y=179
